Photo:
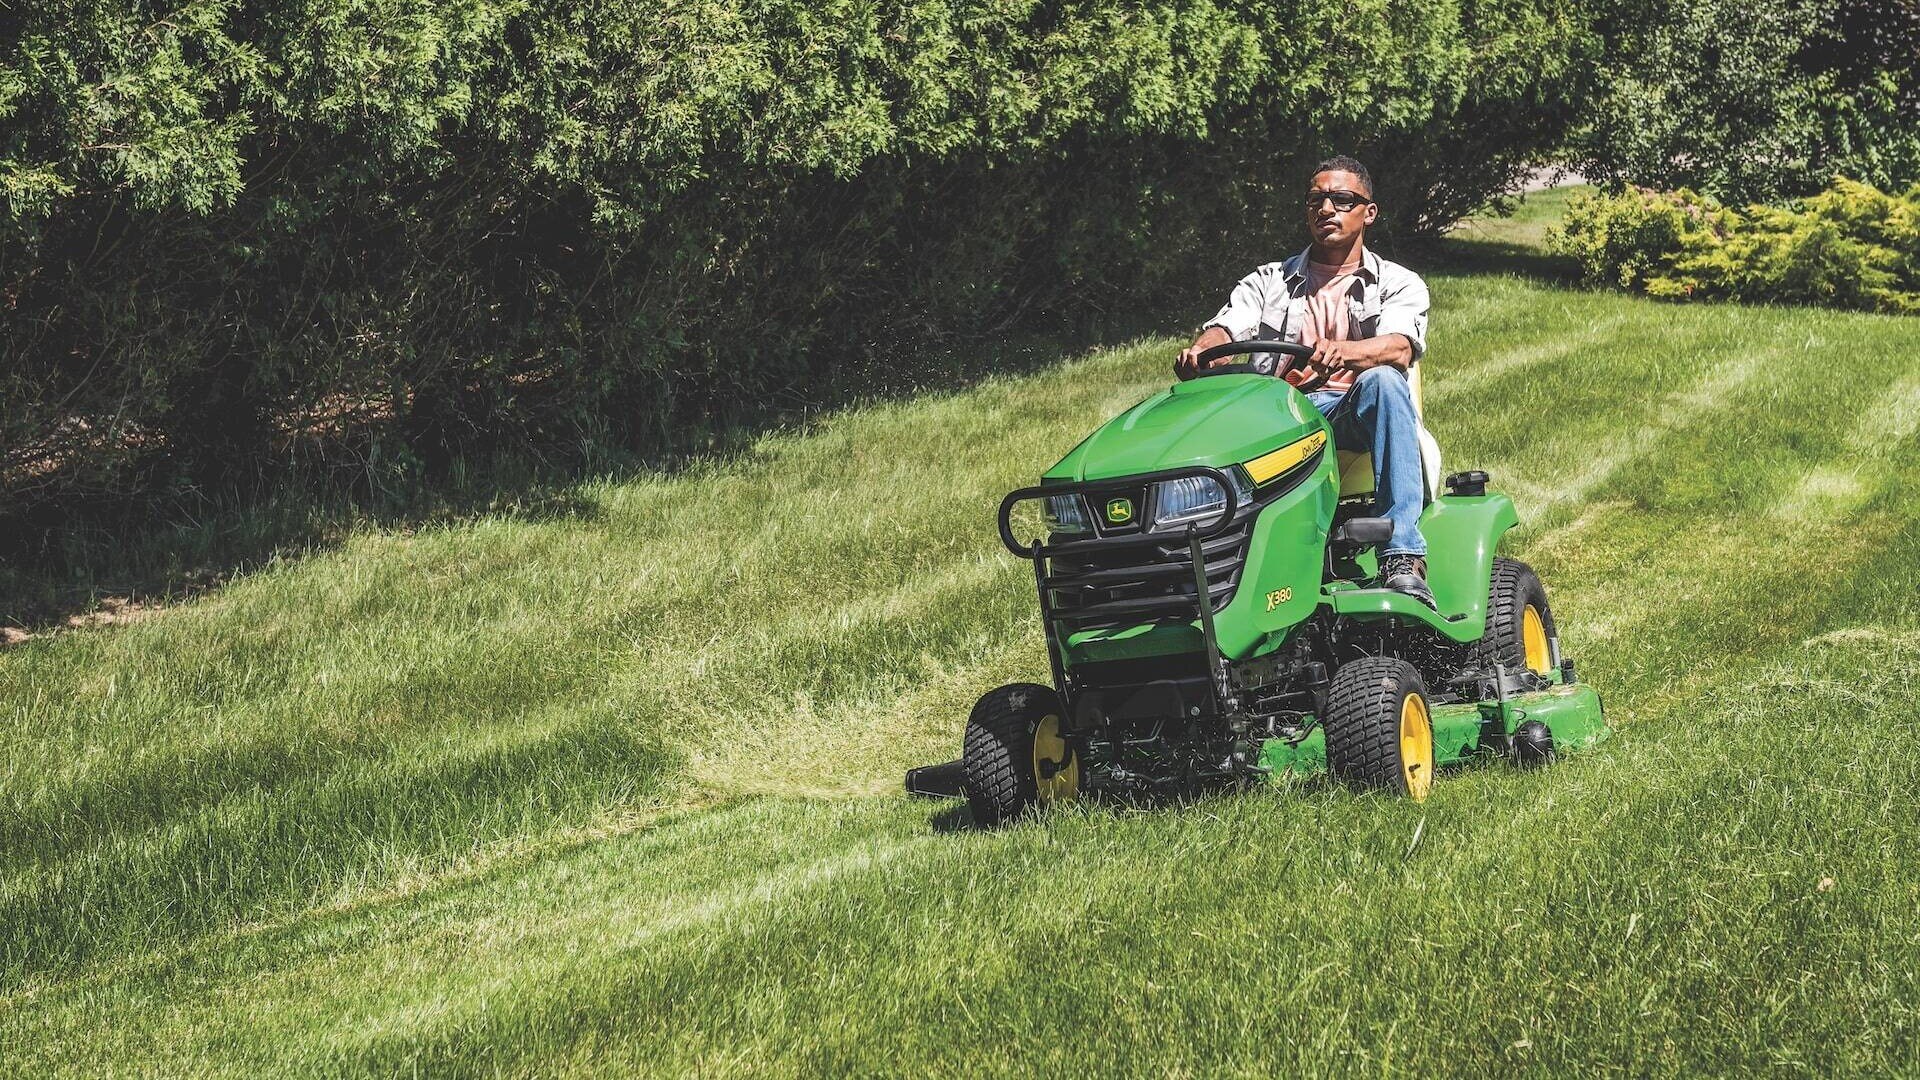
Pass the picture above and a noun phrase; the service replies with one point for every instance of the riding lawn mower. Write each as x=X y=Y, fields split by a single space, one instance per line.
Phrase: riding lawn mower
x=1206 y=565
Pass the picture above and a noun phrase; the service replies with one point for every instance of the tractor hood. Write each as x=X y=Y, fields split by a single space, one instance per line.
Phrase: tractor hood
x=1220 y=420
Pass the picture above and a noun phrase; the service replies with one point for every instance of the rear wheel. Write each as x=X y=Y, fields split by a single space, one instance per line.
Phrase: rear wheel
x=1379 y=730
x=1016 y=754
x=1519 y=622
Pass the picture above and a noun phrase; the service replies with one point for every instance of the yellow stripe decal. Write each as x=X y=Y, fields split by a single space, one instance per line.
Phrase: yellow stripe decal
x=1267 y=466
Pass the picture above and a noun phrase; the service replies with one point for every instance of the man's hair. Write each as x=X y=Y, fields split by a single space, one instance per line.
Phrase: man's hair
x=1343 y=163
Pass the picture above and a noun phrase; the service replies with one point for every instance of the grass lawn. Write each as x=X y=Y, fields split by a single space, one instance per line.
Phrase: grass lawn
x=1526 y=225
x=614 y=790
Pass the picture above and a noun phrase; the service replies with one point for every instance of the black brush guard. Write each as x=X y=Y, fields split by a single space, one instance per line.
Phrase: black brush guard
x=1129 y=576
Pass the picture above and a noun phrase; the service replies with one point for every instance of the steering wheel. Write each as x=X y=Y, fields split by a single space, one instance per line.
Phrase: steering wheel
x=1264 y=363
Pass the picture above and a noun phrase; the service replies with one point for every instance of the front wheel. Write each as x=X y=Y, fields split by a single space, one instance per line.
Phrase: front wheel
x=1379 y=730
x=1016 y=753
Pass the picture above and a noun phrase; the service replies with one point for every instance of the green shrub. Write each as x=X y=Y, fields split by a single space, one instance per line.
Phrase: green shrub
x=1851 y=246
x=1626 y=238
x=1754 y=100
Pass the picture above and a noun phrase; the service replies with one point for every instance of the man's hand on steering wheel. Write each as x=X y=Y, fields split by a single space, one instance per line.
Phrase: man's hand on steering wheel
x=1389 y=350
x=1187 y=364
x=1331 y=356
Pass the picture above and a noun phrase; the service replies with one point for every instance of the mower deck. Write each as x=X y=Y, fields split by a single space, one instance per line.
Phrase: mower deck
x=1570 y=711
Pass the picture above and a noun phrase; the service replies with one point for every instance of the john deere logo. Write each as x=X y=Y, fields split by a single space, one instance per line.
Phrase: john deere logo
x=1119 y=511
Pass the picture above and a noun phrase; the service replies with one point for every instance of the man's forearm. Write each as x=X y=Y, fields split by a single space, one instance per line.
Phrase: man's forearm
x=1390 y=349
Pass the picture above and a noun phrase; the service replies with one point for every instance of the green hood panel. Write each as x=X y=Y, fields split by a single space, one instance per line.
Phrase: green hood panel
x=1221 y=420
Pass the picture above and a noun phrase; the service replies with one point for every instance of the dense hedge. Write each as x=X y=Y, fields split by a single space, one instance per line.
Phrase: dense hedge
x=1755 y=100
x=1851 y=246
x=398 y=228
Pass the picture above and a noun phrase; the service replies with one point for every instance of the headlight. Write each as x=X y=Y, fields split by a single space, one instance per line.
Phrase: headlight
x=1065 y=514
x=1196 y=498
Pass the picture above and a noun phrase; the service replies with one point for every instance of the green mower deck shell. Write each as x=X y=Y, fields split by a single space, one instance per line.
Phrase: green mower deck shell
x=1456 y=731
x=1571 y=712
x=1304 y=758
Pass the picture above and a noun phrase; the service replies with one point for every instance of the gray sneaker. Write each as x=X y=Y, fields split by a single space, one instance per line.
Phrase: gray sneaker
x=1407 y=574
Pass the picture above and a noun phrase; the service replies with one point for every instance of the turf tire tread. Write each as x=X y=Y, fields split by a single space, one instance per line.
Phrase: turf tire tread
x=1512 y=585
x=1363 y=722
x=998 y=751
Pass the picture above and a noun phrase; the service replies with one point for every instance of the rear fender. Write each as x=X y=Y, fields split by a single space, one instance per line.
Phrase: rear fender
x=1462 y=534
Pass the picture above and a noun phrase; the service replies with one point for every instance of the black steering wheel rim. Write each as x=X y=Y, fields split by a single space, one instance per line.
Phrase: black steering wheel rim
x=1292 y=355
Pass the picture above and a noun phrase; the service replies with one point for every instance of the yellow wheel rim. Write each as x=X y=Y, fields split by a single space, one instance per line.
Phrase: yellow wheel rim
x=1533 y=635
x=1416 y=746
x=1056 y=768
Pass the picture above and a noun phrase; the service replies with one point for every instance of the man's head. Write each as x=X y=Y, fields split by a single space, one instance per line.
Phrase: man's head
x=1340 y=204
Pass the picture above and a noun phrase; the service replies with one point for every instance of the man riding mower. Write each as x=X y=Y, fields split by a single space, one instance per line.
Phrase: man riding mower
x=1223 y=597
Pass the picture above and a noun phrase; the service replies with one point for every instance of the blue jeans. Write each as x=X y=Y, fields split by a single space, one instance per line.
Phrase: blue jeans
x=1377 y=416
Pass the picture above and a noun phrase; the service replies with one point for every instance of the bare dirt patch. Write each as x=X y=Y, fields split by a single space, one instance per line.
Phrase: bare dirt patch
x=111 y=611
x=115 y=611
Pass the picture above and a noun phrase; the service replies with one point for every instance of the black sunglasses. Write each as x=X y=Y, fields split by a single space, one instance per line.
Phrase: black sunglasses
x=1342 y=201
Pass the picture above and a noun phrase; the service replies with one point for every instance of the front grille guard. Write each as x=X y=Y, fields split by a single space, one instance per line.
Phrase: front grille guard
x=1088 y=590
x=1145 y=583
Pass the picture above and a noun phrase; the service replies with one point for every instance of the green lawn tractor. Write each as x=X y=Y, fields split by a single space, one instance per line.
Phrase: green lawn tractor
x=1206 y=569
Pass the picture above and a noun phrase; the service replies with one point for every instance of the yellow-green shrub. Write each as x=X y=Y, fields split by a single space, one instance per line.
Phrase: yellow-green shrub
x=1850 y=246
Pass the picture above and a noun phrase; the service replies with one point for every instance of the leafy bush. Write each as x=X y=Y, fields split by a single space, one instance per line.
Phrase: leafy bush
x=1755 y=100
x=232 y=228
x=1851 y=246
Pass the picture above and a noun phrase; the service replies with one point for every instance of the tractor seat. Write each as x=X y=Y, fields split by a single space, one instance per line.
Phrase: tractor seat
x=1356 y=466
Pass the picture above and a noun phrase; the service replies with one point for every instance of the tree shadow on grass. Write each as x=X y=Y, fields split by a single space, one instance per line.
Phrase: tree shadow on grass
x=85 y=558
x=1481 y=257
x=91 y=561
x=80 y=557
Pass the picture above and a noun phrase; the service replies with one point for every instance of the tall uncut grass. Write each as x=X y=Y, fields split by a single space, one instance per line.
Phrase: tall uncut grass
x=616 y=791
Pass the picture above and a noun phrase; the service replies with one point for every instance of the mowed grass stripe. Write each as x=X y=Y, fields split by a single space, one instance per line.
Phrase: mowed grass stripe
x=1588 y=918
x=814 y=616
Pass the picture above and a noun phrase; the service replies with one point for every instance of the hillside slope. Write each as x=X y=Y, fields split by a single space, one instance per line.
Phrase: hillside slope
x=615 y=790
